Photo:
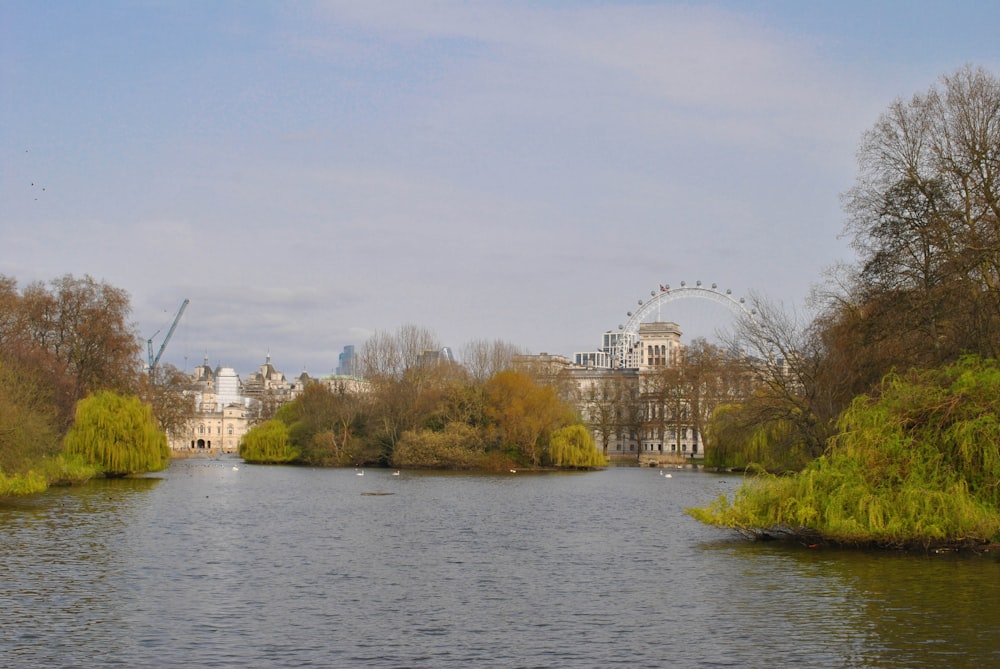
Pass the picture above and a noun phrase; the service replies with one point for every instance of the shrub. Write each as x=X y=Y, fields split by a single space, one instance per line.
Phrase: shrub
x=458 y=446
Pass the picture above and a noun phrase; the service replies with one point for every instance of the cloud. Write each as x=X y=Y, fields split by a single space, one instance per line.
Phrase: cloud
x=310 y=173
x=688 y=59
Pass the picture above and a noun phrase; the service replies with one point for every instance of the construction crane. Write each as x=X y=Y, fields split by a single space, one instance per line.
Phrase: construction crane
x=149 y=342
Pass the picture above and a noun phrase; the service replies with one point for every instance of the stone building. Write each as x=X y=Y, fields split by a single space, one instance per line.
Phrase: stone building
x=221 y=413
x=270 y=384
x=635 y=410
x=226 y=407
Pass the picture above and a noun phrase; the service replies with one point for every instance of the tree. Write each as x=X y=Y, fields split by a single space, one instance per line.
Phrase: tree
x=55 y=345
x=572 y=446
x=396 y=365
x=484 y=358
x=268 y=443
x=457 y=400
x=737 y=438
x=389 y=355
x=457 y=446
x=784 y=357
x=523 y=414
x=602 y=405
x=915 y=464
x=29 y=424
x=118 y=434
x=323 y=424
x=713 y=378
x=924 y=216
x=11 y=328
x=85 y=324
x=165 y=388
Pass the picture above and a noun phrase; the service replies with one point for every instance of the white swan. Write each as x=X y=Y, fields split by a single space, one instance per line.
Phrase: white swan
x=396 y=473
x=361 y=473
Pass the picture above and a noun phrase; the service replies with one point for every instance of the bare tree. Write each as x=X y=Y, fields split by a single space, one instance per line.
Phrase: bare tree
x=389 y=355
x=397 y=365
x=629 y=410
x=783 y=355
x=167 y=389
x=924 y=216
x=483 y=357
x=601 y=405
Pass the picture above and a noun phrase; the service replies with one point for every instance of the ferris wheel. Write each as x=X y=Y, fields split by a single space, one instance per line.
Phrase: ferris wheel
x=628 y=332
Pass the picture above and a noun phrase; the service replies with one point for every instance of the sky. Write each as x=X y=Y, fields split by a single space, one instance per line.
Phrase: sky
x=309 y=173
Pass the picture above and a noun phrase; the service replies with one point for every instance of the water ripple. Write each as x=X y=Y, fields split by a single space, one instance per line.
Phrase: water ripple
x=283 y=567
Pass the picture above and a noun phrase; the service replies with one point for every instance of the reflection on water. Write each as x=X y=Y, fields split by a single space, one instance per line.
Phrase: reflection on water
x=210 y=566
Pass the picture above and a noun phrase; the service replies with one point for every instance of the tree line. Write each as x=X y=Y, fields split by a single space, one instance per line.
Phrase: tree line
x=422 y=410
x=71 y=380
x=76 y=401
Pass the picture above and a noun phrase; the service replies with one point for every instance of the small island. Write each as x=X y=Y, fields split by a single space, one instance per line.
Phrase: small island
x=914 y=466
x=428 y=417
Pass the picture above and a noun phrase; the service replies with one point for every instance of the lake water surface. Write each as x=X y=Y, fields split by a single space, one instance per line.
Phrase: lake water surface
x=205 y=565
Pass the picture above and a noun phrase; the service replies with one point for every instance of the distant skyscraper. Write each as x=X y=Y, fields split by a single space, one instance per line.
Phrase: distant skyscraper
x=345 y=366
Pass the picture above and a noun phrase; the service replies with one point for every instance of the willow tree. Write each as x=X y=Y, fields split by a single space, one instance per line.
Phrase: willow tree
x=118 y=434
x=915 y=464
x=268 y=443
x=737 y=438
x=572 y=446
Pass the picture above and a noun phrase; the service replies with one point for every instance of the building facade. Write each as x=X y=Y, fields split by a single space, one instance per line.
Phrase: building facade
x=646 y=408
x=225 y=407
x=346 y=362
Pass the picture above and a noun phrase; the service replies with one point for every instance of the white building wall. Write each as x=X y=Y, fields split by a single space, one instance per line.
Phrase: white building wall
x=227 y=387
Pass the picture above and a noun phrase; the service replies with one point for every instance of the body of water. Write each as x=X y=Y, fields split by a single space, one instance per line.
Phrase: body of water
x=222 y=564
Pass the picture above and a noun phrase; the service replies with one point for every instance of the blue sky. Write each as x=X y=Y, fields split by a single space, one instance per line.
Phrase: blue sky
x=307 y=173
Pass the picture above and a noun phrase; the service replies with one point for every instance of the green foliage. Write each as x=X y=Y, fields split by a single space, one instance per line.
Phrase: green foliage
x=118 y=434
x=30 y=437
x=268 y=443
x=48 y=471
x=458 y=446
x=325 y=426
x=916 y=465
x=27 y=432
x=18 y=485
x=572 y=446
x=425 y=416
x=737 y=438
x=67 y=469
x=321 y=450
